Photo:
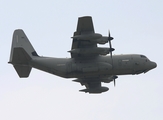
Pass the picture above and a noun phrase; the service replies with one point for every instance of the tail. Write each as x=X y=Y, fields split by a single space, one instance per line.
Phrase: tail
x=22 y=53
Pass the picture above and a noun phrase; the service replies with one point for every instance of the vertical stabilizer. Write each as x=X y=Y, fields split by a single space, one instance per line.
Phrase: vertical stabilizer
x=21 y=53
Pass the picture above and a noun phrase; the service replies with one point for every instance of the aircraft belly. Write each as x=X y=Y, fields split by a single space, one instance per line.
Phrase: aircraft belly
x=102 y=67
x=76 y=74
x=89 y=69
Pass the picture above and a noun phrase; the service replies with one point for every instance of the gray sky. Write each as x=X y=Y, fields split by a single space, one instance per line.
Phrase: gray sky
x=137 y=27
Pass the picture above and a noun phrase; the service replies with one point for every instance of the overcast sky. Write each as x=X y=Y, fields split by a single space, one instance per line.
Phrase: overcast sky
x=137 y=27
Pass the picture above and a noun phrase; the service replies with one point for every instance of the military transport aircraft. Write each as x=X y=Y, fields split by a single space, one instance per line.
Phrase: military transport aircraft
x=88 y=63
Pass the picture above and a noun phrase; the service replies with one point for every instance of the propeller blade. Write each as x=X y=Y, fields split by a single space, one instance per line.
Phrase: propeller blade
x=110 y=45
x=111 y=49
x=109 y=36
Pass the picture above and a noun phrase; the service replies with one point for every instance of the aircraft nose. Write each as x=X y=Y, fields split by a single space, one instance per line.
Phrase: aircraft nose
x=153 y=65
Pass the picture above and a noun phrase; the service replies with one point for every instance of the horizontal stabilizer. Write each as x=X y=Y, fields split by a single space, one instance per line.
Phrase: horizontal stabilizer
x=20 y=56
x=20 y=61
x=23 y=70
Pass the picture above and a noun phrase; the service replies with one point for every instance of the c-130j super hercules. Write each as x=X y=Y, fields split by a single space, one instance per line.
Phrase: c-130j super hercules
x=88 y=63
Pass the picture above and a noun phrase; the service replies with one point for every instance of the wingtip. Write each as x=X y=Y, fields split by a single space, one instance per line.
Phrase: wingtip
x=85 y=17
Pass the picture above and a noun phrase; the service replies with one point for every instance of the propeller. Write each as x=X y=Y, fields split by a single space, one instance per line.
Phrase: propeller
x=111 y=49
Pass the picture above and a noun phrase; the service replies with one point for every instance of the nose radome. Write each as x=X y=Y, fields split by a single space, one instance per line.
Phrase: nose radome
x=153 y=65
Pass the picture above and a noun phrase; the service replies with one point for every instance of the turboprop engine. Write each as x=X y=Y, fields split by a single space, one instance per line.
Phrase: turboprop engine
x=95 y=90
x=93 y=37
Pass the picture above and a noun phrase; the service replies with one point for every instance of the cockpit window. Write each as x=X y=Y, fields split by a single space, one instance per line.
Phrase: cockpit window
x=142 y=56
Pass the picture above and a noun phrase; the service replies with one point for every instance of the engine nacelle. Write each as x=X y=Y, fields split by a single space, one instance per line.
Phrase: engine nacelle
x=109 y=79
x=102 y=40
x=91 y=36
x=95 y=90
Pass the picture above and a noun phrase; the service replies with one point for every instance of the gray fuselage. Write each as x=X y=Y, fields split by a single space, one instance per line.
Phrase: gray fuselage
x=100 y=66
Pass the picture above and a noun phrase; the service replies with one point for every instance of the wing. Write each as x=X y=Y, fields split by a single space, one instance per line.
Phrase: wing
x=92 y=85
x=84 y=44
x=85 y=25
x=84 y=28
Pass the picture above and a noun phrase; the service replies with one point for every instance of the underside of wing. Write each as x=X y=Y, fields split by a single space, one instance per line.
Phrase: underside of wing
x=81 y=42
x=85 y=40
x=84 y=27
x=93 y=85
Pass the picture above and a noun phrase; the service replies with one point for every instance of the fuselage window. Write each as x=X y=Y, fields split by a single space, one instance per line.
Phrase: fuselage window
x=142 y=56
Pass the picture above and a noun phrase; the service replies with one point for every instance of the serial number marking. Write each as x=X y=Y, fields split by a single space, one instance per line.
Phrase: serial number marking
x=60 y=64
x=125 y=60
